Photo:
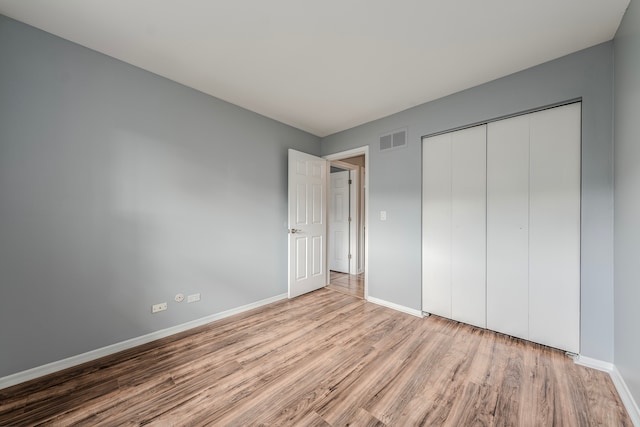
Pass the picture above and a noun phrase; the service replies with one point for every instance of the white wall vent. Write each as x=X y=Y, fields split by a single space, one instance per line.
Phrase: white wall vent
x=393 y=140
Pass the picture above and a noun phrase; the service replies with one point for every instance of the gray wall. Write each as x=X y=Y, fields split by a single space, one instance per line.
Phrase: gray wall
x=119 y=189
x=627 y=199
x=395 y=179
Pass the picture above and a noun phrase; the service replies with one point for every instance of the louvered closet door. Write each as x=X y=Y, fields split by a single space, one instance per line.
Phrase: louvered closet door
x=454 y=209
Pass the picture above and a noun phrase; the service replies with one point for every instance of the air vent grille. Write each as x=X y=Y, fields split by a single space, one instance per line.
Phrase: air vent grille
x=385 y=142
x=393 y=140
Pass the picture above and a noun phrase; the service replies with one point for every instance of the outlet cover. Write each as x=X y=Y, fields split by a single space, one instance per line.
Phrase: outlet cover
x=159 y=307
x=193 y=298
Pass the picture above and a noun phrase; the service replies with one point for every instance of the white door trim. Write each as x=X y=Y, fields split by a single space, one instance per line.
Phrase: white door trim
x=356 y=220
x=345 y=155
x=339 y=227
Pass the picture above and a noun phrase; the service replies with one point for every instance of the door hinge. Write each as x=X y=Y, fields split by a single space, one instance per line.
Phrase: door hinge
x=349 y=219
x=350 y=182
x=349 y=256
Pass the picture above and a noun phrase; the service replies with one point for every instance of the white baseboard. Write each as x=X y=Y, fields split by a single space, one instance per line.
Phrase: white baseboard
x=69 y=362
x=600 y=365
x=623 y=391
x=626 y=397
x=397 y=307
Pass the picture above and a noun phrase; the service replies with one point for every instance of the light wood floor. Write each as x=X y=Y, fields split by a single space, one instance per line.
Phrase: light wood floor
x=323 y=359
x=350 y=284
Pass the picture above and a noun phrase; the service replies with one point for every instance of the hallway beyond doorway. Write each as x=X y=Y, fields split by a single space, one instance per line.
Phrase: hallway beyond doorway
x=350 y=284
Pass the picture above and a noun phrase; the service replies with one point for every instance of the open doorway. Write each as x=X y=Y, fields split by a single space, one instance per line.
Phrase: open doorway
x=347 y=222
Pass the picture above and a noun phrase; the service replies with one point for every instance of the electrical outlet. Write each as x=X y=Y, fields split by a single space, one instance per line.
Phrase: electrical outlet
x=193 y=298
x=159 y=307
x=179 y=297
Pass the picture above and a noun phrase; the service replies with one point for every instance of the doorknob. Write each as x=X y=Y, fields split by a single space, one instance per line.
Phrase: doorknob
x=294 y=231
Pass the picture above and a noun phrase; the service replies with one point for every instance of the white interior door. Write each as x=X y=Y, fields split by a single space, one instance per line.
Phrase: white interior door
x=307 y=223
x=454 y=216
x=362 y=218
x=554 y=223
x=508 y=226
x=436 y=225
x=339 y=222
x=354 y=222
x=468 y=225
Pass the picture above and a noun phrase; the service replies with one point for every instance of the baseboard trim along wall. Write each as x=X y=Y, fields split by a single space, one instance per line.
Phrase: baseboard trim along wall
x=624 y=392
x=397 y=307
x=69 y=362
x=625 y=396
x=594 y=363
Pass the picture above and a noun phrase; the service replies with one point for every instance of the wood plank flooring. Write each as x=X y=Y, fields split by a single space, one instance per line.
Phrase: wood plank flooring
x=350 y=284
x=323 y=359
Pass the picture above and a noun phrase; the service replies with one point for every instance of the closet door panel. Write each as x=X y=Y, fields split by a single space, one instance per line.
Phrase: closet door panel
x=554 y=224
x=468 y=226
x=436 y=225
x=507 y=226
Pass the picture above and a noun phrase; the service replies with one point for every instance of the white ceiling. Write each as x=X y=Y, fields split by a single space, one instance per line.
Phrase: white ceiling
x=327 y=65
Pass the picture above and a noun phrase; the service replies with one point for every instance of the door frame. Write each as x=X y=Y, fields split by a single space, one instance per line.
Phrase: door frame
x=354 y=224
x=345 y=155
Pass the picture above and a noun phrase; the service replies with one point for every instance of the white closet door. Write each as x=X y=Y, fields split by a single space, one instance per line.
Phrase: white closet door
x=501 y=226
x=468 y=225
x=507 y=226
x=554 y=224
x=436 y=225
